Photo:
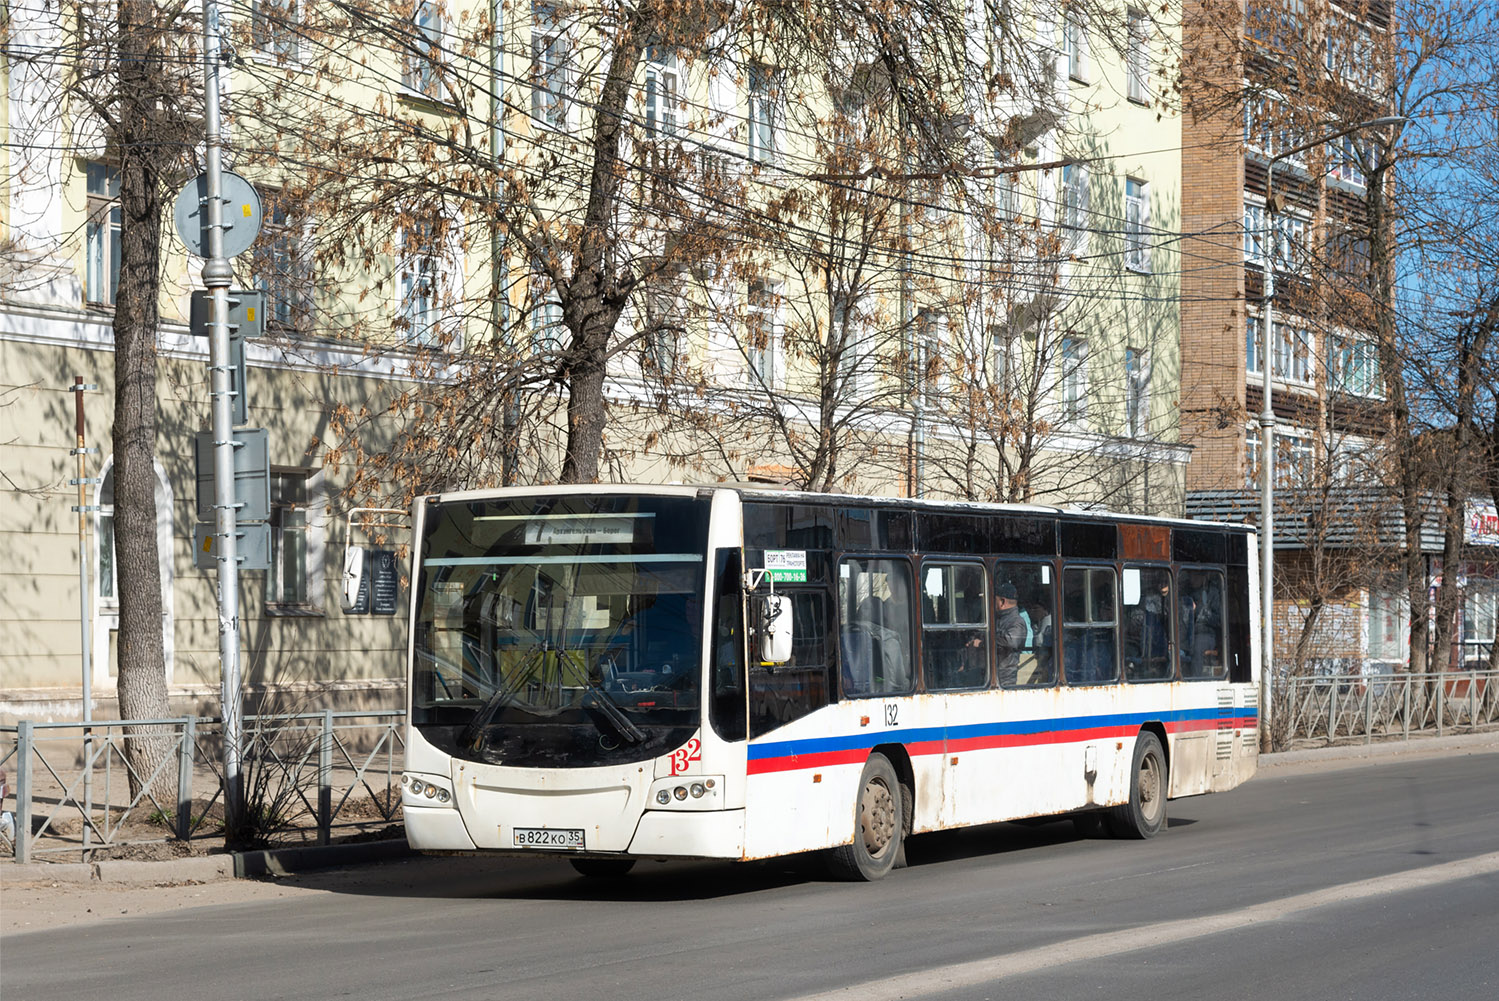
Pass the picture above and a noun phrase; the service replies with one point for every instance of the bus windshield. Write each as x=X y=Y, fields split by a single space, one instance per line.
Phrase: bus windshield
x=556 y=630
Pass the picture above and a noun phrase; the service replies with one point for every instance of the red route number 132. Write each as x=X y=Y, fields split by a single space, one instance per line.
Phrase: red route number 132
x=684 y=756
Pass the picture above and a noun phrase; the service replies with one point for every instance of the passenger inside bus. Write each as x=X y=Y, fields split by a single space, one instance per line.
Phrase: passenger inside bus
x=1012 y=633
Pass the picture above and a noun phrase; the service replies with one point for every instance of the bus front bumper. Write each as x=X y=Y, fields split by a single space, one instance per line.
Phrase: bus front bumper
x=707 y=834
x=660 y=834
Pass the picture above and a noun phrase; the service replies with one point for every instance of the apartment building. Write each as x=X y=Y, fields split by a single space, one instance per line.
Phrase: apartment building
x=1276 y=222
x=1006 y=328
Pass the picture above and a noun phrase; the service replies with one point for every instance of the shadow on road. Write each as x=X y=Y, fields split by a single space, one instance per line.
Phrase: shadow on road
x=499 y=878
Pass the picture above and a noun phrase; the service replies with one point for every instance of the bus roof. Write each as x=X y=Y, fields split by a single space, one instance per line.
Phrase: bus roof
x=769 y=494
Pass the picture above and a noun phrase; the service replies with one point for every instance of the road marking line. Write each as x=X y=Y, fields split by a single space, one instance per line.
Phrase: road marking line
x=1123 y=940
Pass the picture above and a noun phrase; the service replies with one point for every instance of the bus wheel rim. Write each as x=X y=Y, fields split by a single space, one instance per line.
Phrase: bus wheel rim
x=1150 y=787
x=877 y=817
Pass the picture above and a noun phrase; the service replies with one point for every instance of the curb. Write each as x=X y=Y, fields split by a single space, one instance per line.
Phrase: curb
x=205 y=868
x=286 y=861
x=1478 y=742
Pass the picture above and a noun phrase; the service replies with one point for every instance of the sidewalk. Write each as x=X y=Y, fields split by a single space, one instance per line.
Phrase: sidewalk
x=286 y=861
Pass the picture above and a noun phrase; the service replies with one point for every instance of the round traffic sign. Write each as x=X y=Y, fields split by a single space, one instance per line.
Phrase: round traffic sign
x=241 y=213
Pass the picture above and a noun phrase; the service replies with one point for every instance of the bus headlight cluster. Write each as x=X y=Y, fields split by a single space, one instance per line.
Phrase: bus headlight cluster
x=687 y=792
x=425 y=789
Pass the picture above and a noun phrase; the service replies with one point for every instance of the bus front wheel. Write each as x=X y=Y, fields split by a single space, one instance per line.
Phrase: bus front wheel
x=879 y=822
x=1145 y=813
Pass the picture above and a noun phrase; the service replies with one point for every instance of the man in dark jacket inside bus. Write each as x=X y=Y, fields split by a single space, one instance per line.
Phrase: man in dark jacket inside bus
x=1009 y=632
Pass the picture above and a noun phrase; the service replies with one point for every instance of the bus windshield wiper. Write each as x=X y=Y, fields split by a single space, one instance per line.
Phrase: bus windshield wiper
x=470 y=737
x=613 y=713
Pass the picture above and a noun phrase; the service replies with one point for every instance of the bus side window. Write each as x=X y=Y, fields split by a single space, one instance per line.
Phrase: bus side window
x=1089 y=625
x=1147 y=624
x=874 y=607
x=1201 y=624
x=1034 y=665
x=954 y=626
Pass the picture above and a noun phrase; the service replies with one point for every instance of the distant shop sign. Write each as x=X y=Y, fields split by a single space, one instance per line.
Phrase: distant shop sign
x=1483 y=524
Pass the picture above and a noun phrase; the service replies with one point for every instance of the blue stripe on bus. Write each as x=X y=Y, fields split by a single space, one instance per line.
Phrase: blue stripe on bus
x=920 y=735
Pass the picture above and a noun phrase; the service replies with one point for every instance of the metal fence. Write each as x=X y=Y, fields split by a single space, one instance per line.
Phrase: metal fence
x=1341 y=706
x=306 y=777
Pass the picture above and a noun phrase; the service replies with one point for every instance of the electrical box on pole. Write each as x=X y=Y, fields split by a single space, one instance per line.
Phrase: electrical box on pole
x=252 y=550
x=246 y=320
x=252 y=474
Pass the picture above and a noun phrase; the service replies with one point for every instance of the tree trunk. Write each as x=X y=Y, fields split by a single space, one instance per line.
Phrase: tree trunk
x=142 y=658
x=594 y=298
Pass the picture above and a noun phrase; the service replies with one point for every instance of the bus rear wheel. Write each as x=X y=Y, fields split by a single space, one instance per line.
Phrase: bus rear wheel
x=603 y=868
x=879 y=824
x=1145 y=813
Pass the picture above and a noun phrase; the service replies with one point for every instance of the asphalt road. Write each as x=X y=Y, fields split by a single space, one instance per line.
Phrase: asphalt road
x=1328 y=882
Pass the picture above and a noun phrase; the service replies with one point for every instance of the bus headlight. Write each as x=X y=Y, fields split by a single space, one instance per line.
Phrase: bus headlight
x=425 y=790
x=688 y=793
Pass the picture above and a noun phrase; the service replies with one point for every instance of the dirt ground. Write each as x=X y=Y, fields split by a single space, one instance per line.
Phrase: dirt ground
x=34 y=906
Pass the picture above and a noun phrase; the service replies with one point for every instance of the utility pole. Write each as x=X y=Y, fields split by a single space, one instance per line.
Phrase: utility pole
x=1267 y=423
x=217 y=276
x=85 y=604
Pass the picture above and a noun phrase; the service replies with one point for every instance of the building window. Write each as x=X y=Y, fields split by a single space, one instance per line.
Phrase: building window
x=1293 y=459
x=1480 y=611
x=856 y=359
x=274 y=28
x=421 y=282
x=1074 y=378
x=281 y=264
x=1255 y=233
x=762 y=328
x=1270 y=129
x=104 y=540
x=547 y=329
x=762 y=87
x=1137 y=60
x=1352 y=462
x=1075 y=206
x=1006 y=202
x=1355 y=366
x=102 y=234
x=550 y=55
x=1349 y=54
x=429 y=274
x=662 y=103
x=1002 y=362
x=1136 y=225
x=1293 y=353
x=1075 y=48
x=286 y=583
x=1288 y=243
x=931 y=336
x=1274 y=23
x=423 y=73
x=1345 y=161
x=1137 y=392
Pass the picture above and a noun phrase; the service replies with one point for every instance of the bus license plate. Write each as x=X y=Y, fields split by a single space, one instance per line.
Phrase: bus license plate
x=547 y=837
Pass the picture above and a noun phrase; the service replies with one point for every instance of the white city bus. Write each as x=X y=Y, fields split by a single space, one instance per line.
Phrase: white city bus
x=612 y=673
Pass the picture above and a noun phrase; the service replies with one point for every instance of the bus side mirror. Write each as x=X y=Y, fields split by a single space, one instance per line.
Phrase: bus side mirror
x=774 y=628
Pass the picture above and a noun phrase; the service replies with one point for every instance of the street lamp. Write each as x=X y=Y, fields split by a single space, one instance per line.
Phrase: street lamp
x=1267 y=421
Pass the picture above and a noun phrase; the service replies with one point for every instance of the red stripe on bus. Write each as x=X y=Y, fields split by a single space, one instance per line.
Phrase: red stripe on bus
x=857 y=755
